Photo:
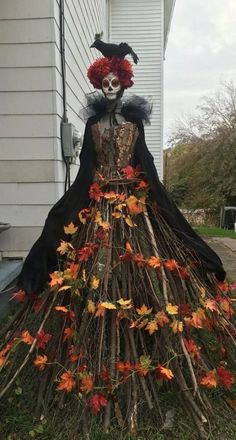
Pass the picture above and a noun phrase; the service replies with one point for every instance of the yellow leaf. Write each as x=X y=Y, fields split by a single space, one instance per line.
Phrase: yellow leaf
x=94 y=283
x=64 y=247
x=177 y=326
x=129 y=222
x=98 y=218
x=144 y=310
x=202 y=292
x=70 y=229
x=64 y=288
x=171 y=309
x=151 y=327
x=108 y=305
x=91 y=306
x=117 y=214
x=125 y=303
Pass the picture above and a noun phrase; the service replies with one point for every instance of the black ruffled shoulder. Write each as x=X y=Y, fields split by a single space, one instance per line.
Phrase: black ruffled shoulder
x=133 y=108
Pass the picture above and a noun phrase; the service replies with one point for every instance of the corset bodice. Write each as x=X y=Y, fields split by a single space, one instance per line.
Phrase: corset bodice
x=115 y=146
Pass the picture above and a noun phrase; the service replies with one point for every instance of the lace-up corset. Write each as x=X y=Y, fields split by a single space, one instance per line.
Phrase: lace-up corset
x=115 y=146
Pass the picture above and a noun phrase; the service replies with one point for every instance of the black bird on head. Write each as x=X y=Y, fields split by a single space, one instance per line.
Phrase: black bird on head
x=115 y=50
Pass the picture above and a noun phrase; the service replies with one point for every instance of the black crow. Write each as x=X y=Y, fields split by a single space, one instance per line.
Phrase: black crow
x=118 y=50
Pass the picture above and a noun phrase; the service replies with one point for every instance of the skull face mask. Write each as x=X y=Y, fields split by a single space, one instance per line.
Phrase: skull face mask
x=111 y=86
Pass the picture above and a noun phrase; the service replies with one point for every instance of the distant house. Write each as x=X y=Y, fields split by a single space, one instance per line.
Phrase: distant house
x=32 y=171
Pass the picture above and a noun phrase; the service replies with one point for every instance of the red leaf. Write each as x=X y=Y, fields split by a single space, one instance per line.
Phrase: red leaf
x=19 y=296
x=129 y=172
x=96 y=402
x=95 y=192
x=87 y=251
x=226 y=378
x=42 y=339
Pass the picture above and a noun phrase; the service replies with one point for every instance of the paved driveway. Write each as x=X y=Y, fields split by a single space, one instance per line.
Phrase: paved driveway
x=226 y=249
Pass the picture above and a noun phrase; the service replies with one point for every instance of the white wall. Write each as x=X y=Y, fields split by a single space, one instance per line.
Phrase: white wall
x=140 y=23
x=31 y=167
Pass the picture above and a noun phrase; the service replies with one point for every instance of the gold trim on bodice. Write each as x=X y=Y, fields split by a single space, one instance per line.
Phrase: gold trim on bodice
x=115 y=146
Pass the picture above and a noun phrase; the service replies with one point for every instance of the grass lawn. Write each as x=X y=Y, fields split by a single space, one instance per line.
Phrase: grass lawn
x=209 y=231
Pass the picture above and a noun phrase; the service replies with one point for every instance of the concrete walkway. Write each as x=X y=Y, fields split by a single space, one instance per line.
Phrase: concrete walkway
x=226 y=249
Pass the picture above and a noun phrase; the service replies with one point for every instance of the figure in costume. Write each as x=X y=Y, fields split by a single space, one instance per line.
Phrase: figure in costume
x=119 y=294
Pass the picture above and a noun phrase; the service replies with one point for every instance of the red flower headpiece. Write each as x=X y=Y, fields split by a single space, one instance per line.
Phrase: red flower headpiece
x=103 y=66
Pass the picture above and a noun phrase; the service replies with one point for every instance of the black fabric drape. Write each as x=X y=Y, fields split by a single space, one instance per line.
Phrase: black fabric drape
x=42 y=258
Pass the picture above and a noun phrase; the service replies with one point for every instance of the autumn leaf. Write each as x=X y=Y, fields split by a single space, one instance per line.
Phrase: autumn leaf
x=154 y=262
x=209 y=380
x=67 y=382
x=96 y=402
x=124 y=367
x=91 y=306
x=171 y=264
x=40 y=362
x=68 y=333
x=87 y=251
x=95 y=192
x=86 y=385
x=142 y=185
x=130 y=222
x=225 y=377
x=108 y=305
x=172 y=309
x=143 y=366
x=125 y=303
x=144 y=310
x=38 y=304
x=42 y=339
x=94 y=283
x=73 y=356
x=61 y=309
x=56 y=279
x=26 y=337
x=70 y=229
x=192 y=348
x=151 y=327
x=3 y=360
x=129 y=172
x=84 y=215
x=71 y=273
x=128 y=247
x=211 y=304
x=164 y=373
x=64 y=288
x=19 y=296
x=183 y=272
x=135 y=206
x=161 y=318
x=111 y=196
x=139 y=260
x=64 y=247
x=100 y=312
x=177 y=326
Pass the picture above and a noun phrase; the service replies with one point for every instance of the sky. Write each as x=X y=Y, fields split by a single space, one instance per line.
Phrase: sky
x=201 y=53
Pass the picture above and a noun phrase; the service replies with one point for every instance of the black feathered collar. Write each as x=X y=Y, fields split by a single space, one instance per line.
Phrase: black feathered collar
x=133 y=108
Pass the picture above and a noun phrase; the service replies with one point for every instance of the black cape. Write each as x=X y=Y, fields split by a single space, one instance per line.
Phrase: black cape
x=42 y=258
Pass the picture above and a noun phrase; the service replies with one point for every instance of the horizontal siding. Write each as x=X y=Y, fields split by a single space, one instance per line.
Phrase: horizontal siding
x=141 y=25
x=29 y=149
x=18 y=241
x=17 y=193
x=28 y=79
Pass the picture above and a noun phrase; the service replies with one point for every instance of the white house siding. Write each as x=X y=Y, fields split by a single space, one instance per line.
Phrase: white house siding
x=140 y=23
x=31 y=167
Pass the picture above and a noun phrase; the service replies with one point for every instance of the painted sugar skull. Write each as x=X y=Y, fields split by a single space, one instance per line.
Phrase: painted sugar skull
x=111 y=86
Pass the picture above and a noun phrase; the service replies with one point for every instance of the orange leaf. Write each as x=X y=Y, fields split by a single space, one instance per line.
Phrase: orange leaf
x=128 y=247
x=211 y=304
x=67 y=382
x=40 y=362
x=56 y=279
x=154 y=262
x=26 y=337
x=161 y=318
x=100 y=311
x=19 y=296
x=95 y=192
x=209 y=380
x=171 y=264
x=144 y=310
x=70 y=229
x=139 y=260
x=192 y=349
x=86 y=385
x=129 y=172
x=94 y=283
x=68 y=333
x=177 y=326
x=65 y=247
x=164 y=373
x=87 y=251
x=61 y=309
x=151 y=327
x=84 y=215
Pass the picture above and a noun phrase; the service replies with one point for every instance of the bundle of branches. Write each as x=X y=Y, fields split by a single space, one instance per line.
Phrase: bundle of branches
x=127 y=313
